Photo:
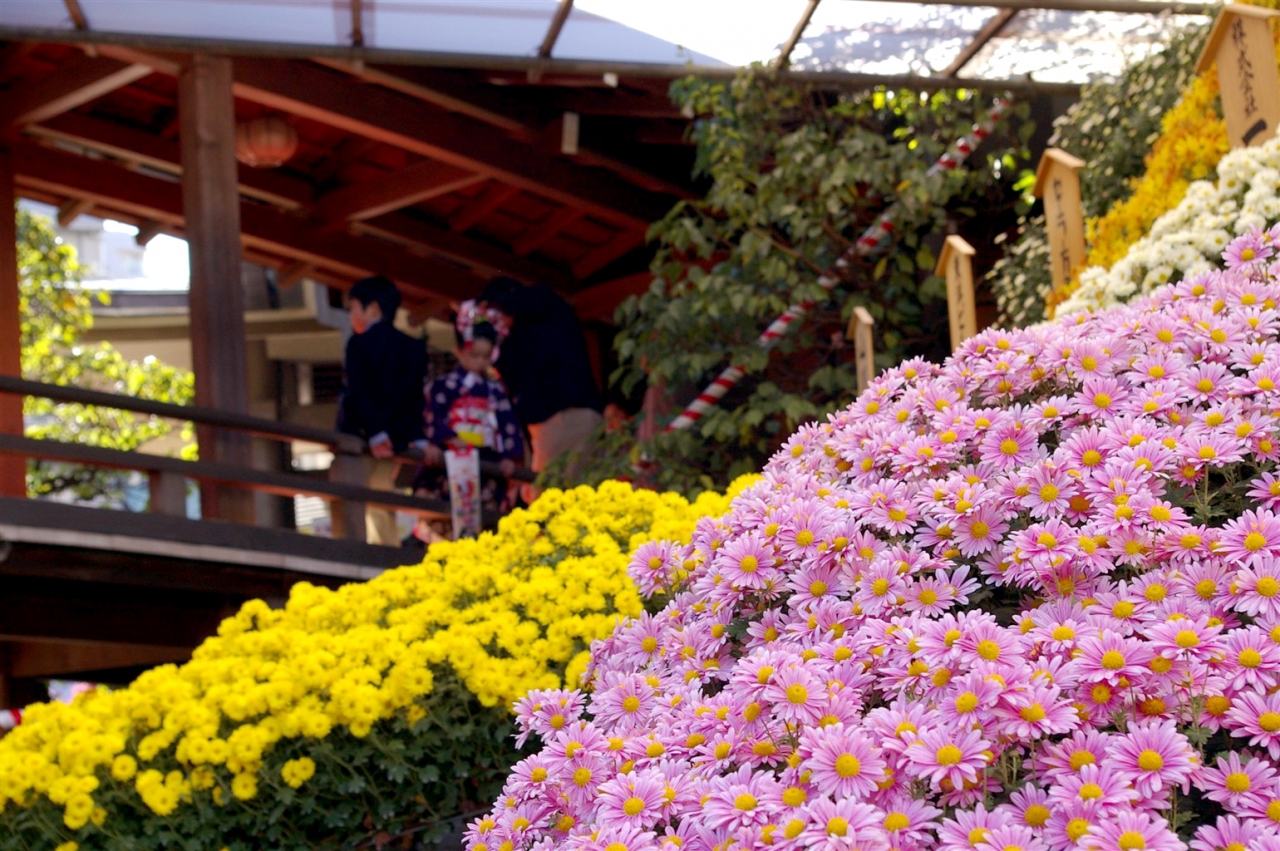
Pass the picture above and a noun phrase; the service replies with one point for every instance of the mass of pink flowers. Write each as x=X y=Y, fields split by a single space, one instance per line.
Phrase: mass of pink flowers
x=1027 y=600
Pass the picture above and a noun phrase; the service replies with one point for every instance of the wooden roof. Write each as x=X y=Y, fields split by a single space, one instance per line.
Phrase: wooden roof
x=439 y=178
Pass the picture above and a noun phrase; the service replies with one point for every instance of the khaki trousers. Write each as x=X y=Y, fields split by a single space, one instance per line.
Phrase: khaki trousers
x=380 y=523
x=567 y=431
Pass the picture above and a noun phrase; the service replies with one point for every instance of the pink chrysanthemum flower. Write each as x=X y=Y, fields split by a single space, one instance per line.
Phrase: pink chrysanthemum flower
x=1184 y=638
x=1257 y=590
x=955 y=756
x=1132 y=831
x=1071 y=754
x=842 y=761
x=746 y=563
x=1111 y=658
x=1239 y=785
x=1037 y=712
x=1095 y=786
x=844 y=826
x=1266 y=490
x=908 y=822
x=968 y=827
x=1030 y=806
x=1251 y=539
x=1248 y=250
x=1010 y=836
x=637 y=797
x=738 y=801
x=1257 y=718
x=1228 y=833
x=1153 y=757
x=797 y=695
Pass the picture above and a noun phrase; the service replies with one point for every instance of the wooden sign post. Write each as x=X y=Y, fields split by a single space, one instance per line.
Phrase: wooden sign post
x=864 y=356
x=1058 y=183
x=956 y=263
x=1240 y=43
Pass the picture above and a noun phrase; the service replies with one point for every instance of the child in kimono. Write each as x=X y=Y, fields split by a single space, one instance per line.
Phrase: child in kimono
x=468 y=407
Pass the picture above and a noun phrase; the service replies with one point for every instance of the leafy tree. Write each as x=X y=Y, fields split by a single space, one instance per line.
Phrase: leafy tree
x=796 y=175
x=56 y=312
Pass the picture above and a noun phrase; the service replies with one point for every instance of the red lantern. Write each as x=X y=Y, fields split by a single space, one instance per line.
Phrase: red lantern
x=265 y=142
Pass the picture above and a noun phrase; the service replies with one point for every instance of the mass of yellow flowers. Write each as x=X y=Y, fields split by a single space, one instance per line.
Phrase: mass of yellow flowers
x=508 y=611
x=1193 y=139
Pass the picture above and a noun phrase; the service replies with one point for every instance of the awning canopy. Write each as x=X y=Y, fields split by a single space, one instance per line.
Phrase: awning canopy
x=1063 y=41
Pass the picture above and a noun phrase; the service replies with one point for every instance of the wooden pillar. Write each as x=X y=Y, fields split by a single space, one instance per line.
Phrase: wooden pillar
x=211 y=207
x=13 y=470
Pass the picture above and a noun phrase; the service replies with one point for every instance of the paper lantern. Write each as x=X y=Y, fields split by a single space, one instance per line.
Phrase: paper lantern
x=265 y=142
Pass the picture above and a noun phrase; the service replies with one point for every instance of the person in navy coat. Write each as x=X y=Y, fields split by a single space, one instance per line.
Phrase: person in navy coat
x=383 y=375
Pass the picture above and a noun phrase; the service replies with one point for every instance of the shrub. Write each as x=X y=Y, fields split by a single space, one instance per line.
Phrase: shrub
x=1028 y=599
x=375 y=710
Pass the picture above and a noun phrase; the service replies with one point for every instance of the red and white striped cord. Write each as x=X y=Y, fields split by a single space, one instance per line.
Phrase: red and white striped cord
x=872 y=240
x=10 y=718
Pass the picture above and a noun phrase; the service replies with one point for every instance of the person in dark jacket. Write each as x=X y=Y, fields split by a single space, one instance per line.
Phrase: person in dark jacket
x=546 y=369
x=384 y=372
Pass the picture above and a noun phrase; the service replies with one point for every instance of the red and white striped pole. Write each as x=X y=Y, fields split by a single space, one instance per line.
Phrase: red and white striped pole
x=872 y=240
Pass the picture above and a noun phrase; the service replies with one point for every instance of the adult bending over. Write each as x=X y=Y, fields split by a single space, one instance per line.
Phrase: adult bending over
x=546 y=370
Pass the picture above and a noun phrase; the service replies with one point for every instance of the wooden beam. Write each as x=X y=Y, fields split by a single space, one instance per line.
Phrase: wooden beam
x=76 y=82
x=13 y=471
x=448 y=90
x=454 y=93
x=165 y=155
x=989 y=31
x=394 y=191
x=797 y=33
x=486 y=258
x=147 y=231
x=537 y=234
x=292 y=274
x=553 y=31
x=481 y=206
x=77 y=14
x=321 y=95
x=65 y=175
x=72 y=210
x=603 y=255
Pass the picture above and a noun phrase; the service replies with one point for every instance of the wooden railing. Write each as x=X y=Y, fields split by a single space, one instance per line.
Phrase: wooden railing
x=344 y=488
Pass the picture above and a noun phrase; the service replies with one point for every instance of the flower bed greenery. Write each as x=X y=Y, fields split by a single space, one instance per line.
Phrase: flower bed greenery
x=348 y=716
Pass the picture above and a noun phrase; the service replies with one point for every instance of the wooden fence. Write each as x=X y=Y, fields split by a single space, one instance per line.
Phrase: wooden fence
x=343 y=489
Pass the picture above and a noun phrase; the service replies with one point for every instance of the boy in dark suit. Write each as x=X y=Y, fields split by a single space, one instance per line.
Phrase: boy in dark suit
x=384 y=372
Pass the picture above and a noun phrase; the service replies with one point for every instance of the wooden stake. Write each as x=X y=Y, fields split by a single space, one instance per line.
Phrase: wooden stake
x=1240 y=43
x=956 y=263
x=864 y=356
x=1058 y=182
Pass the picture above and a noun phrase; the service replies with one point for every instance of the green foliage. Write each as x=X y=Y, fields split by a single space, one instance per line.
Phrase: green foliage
x=1112 y=128
x=56 y=313
x=796 y=176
